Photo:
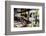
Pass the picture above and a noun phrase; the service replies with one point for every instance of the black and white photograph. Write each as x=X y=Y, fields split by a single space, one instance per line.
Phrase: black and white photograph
x=26 y=17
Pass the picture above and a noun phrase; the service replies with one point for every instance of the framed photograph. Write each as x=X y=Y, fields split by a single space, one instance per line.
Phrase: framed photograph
x=24 y=17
